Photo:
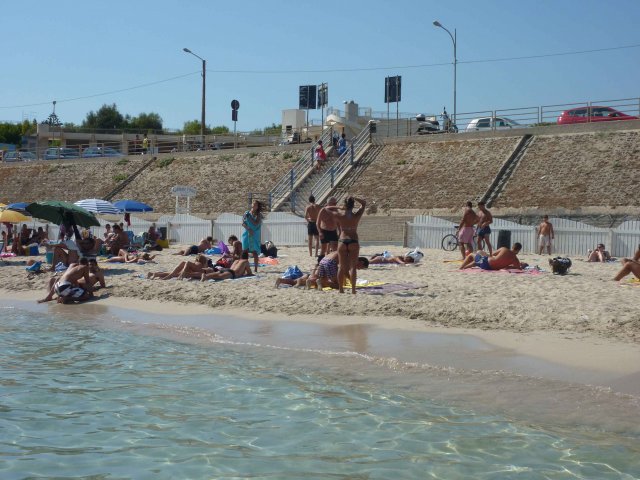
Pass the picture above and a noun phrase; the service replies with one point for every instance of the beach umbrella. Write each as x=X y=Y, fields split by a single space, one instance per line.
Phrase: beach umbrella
x=62 y=212
x=97 y=206
x=132 y=206
x=11 y=216
x=18 y=206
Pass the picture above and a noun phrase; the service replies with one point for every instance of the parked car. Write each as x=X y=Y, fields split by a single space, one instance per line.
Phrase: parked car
x=19 y=157
x=55 y=153
x=592 y=114
x=492 y=123
x=93 y=152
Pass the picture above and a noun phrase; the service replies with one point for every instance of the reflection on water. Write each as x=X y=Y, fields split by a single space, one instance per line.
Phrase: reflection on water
x=96 y=399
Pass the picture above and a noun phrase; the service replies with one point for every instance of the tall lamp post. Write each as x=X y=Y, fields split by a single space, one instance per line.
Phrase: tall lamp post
x=204 y=83
x=455 y=64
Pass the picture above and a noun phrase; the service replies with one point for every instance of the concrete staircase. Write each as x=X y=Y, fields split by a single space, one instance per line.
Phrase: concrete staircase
x=507 y=169
x=298 y=200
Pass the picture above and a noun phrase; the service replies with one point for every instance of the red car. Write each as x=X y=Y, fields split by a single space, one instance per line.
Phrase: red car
x=592 y=114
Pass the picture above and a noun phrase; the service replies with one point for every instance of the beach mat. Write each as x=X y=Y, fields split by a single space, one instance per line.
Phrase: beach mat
x=532 y=271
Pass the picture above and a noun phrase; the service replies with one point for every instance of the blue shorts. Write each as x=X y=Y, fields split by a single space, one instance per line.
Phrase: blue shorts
x=484 y=231
x=482 y=262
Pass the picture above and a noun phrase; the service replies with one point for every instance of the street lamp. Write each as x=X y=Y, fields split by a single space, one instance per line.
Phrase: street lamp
x=455 y=64
x=204 y=77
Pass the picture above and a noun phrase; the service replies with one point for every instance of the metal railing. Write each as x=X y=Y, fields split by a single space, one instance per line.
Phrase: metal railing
x=330 y=179
x=301 y=170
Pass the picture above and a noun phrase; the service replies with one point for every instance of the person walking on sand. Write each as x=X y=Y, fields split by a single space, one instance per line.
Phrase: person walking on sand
x=311 y=216
x=328 y=228
x=466 y=229
x=501 y=258
x=545 y=235
x=485 y=219
x=348 y=244
x=252 y=223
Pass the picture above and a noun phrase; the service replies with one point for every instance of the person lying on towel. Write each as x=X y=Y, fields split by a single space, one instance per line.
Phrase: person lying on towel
x=501 y=258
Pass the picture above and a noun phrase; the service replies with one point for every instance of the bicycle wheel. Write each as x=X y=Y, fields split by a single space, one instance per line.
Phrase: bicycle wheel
x=449 y=242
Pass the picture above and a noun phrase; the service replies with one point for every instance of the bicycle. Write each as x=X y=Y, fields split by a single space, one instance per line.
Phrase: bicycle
x=450 y=241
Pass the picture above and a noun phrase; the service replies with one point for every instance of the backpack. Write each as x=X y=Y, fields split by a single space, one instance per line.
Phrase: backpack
x=560 y=265
x=416 y=254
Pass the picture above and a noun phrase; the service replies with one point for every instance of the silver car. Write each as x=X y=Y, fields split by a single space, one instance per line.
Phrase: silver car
x=19 y=157
x=492 y=123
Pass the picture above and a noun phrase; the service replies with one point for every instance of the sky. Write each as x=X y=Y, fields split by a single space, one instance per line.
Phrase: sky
x=85 y=54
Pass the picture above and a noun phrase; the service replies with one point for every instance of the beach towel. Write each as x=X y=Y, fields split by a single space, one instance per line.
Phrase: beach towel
x=390 y=288
x=35 y=268
x=266 y=261
x=532 y=271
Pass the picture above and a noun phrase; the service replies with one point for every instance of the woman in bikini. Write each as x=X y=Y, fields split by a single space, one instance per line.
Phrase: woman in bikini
x=348 y=246
x=126 y=257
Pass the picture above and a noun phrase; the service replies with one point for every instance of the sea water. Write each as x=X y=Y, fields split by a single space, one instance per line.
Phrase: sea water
x=105 y=399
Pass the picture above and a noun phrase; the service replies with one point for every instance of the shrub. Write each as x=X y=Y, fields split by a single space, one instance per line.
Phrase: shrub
x=253 y=155
x=122 y=161
x=165 y=162
x=120 y=177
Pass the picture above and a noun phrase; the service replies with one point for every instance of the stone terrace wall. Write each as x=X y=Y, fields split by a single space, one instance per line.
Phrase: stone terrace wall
x=577 y=171
x=435 y=174
x=222 y=178
x=63 y=180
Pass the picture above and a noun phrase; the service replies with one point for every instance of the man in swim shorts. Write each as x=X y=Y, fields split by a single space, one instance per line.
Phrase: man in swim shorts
x=545 y=235
x=311 y=216
x=485 y=219
x=328 y=229
x=67 y=287
x=501 y=258
x=466 y=231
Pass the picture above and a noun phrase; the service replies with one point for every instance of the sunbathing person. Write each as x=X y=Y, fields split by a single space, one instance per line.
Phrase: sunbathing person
x=205 y=244
x=126 y=257
x=382 y=259
x=501 y=258
x=118 y=240
x=629 y=265
x=599 y=254
x=239 y=269
x=67 y=286
x=186 y=269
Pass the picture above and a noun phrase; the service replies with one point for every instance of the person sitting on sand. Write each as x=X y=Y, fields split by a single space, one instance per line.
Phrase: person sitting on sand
x=599 y=254
x=205 y=244
x=96 y=275
x=236 y=247
x=67 y=287
x=238 y=269
x=501 y=258
x=185 y=269
x=126 y=257
x=88 y=245
x=384 y=259
x=118 y=240
x=66 y=252
x=326 y=275
x=629 y=265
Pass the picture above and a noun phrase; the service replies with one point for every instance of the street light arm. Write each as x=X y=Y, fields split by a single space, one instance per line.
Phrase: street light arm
x=439 y=25
x=189 y=51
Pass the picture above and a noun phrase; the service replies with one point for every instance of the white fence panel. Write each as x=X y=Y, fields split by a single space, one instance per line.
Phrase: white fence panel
x=426 y=231
x=185 y=229
x=524 y=234
x=577 y=238
x=285 y=229
x=226 y=225
x=626 y=239
x=138 y=226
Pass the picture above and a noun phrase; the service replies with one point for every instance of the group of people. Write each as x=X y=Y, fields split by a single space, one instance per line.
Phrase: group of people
x=19 y=241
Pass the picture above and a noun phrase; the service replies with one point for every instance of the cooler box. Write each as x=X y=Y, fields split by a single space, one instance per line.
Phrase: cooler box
x=163 y=243
x=48 y=257
x=33 y=250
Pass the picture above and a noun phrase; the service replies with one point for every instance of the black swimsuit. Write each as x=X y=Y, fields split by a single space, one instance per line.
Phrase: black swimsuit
x=347 y=241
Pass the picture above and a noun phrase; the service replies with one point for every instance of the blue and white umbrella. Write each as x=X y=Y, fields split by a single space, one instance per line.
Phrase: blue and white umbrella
x=98 y=206
x=132 y=206
x=18 y=206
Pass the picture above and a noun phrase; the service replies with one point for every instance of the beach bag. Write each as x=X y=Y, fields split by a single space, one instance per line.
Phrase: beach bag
x=416 y=254
x=224 y=262
x=268 y=249
x=560 y=265
x=292 y=273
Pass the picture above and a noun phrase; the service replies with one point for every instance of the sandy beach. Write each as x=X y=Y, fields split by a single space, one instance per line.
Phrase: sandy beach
x=582 y=320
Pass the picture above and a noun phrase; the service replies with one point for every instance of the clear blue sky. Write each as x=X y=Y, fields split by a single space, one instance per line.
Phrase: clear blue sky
x=259 y=52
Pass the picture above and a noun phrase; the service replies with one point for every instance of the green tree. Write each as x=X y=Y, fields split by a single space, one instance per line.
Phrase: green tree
x=146 y=121
x=219 y=130
x=10 y=133
x=108 y=117
x=191 y=127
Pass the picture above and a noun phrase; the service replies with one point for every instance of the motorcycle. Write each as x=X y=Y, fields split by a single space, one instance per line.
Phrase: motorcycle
x=428 y=125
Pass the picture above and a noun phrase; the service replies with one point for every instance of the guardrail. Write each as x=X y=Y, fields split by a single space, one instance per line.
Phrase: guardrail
x=328 y=181
x=301 y=170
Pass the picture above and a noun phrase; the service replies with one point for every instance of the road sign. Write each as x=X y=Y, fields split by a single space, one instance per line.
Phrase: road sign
x=235 y=104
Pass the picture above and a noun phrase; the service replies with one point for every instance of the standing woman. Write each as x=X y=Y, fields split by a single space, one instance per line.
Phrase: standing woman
x=348 y=246
x=252 y=223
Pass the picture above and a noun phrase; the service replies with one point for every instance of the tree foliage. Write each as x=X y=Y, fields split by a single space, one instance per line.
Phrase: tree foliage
x=108 y=117
x=10 y=133
x=192 y=127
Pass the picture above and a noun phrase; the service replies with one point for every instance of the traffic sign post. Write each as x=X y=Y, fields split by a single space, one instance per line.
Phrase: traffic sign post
x=235 y=105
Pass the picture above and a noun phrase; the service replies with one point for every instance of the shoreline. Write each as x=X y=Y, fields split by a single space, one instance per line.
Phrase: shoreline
x=577 y=358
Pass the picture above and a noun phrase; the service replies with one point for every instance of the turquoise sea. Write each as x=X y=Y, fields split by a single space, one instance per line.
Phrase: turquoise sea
x=86 y=395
